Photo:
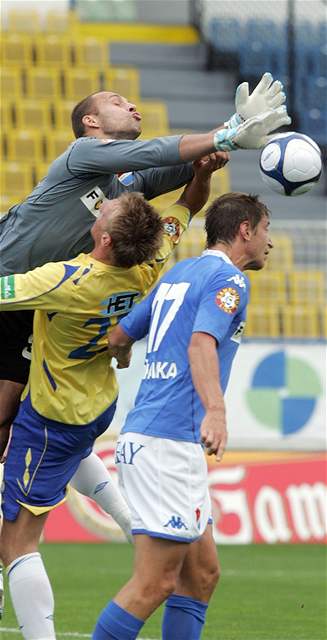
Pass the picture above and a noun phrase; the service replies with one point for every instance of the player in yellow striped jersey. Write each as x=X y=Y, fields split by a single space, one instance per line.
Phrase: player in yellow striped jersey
x=71 y=394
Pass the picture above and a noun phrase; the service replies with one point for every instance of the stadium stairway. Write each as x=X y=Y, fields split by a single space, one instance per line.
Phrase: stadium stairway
x=198 y=100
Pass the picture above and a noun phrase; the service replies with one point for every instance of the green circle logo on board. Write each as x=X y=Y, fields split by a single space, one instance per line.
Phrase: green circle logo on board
x=284 y=392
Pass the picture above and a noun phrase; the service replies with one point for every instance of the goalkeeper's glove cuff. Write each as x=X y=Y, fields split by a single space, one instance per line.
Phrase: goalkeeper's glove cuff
x=223 y=139
x=234 y=121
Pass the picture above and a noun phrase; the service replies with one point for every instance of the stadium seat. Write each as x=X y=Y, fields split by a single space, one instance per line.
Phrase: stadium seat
x=154 y=118
x=324 y=322
x=60 y=22
x=123 y=81
x=91 y=53
x=6 y=116
x=262 y=321
x=79 y=83
x=62 y=113
x=307 y=287
x=7 y=201
x=268 y=287
x=300 y=321
x=11 y=83
x=57 y=142
x=25 y=146
x=192 y=243
x=16 y=180
x=41 y=170
x=225 y=34
x=33 y=114
x=53 y=51
x=43 y=83
x=282 y=253
x=24 y=21
x=16 y=50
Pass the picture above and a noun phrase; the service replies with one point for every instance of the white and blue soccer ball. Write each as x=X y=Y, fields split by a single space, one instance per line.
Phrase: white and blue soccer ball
x=290 y=163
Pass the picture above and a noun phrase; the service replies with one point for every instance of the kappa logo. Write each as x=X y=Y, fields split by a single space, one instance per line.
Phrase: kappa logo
x=239 y=280
x=176 y=522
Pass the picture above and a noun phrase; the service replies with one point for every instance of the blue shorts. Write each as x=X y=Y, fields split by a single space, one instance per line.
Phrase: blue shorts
x=43 y=457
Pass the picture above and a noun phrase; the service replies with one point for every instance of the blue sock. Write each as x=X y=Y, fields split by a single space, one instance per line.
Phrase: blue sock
x=115 y=623
x=183 y=619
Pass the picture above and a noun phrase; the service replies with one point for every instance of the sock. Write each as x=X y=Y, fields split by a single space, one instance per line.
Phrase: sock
x=183 y=619
x=93 y=479
x=2 y=596
x=32 y=597
x=115 y=623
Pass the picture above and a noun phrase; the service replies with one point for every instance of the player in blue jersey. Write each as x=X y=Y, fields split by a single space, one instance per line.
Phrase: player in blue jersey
x=194 y=319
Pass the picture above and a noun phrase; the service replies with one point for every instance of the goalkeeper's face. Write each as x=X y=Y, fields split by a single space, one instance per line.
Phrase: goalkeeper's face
x=116 y=117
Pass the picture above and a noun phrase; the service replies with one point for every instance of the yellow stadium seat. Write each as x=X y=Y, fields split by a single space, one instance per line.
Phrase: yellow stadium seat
x=268 y=287
x=16 y=50
x=6 y=116
x=192 y=243
x=125 y=82
x=91 y=53
x=307 y=287
x=80 y=83
x=25 y=146
x=24 y=21
x=53 y=51
x=324 y=322
x=40 y=171
x=33 y=114
x=60 y=22
x=16 y=181
x=7 y=201
x=11 y=83
x=57 y=142
x=62 y=111
x=154 y=118
x=262 y=321
x=43 y=83
x=281 y=257
x=300 y=321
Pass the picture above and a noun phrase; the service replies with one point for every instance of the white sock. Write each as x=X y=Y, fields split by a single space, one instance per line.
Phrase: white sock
x=32 y=597
x=93 y=479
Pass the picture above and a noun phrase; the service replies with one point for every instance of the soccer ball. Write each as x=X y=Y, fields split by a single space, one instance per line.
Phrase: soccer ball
x=290 y=163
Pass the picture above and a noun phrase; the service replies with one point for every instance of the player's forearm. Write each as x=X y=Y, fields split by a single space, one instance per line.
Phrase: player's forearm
x=195 y=146
x=195 y=194
x=204 y=363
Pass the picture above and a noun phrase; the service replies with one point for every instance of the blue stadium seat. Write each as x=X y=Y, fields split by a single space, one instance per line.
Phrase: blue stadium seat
x=314 y=124
x=225 y=34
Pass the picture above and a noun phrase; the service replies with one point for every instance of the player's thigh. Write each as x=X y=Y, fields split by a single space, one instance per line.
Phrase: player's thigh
x=158 y=560
x=201 y=569
x=21 y=536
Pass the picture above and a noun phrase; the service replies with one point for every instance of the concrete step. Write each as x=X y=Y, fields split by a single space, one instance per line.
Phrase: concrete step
x=159 y=56
x=197 y=115
x=187 y=84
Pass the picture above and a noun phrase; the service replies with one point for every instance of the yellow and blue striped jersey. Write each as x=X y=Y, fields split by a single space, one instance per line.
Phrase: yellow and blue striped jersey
x=77 y=302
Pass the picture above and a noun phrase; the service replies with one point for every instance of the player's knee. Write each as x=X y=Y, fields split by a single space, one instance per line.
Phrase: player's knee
x=156 y=593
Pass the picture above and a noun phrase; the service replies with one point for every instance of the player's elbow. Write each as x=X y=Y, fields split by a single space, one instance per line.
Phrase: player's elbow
x=118 y=338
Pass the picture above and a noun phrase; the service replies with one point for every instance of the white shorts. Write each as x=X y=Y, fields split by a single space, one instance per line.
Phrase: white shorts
x=165 y=485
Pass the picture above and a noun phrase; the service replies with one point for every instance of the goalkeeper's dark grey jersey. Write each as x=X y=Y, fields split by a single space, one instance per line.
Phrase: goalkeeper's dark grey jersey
x=54 y=221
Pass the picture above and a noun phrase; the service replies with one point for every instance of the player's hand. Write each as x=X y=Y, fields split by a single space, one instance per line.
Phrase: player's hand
x=121 y=354
x=268 y=94
x=253 y=133
x=214 y=432
x=206 y=166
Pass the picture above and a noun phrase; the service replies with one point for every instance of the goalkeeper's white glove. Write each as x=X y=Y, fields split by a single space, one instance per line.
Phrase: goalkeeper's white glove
x=268 y=94
x=253 y=133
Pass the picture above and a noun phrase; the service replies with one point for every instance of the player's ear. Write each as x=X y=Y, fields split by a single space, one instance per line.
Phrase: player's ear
x=245 y=230
x=90 y=121
x=106 y=239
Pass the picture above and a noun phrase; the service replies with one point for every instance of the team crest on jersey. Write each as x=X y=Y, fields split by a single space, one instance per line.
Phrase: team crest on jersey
x=126 y=178
x=228 y=299
x=172 y=228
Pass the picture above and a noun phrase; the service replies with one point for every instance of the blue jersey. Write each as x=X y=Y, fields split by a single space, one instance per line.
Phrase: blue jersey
x=207 y=294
